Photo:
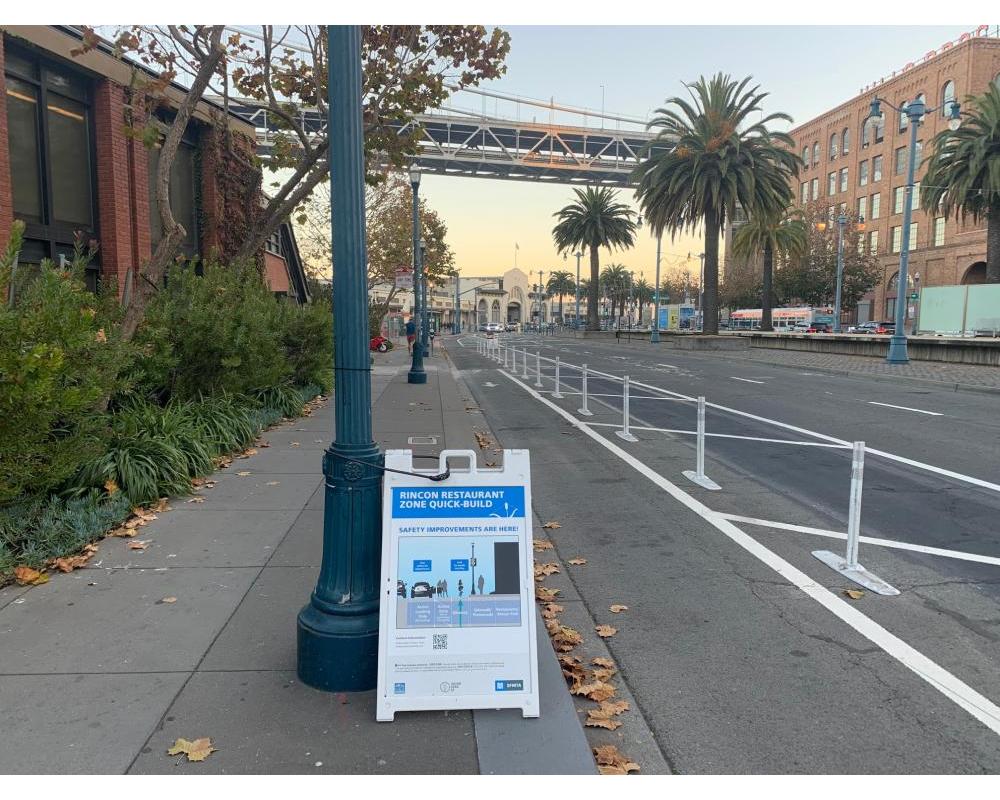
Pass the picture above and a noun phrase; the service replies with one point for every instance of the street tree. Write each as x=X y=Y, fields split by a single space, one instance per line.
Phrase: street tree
x=594 y=220
x=614 y=281
x=561 y=283
x=283 y=70
x=643 y=293
x=708 y=157
x=963 y=173
x=767 y=236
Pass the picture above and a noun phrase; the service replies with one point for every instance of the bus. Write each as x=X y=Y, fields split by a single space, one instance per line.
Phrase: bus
x=748 y=319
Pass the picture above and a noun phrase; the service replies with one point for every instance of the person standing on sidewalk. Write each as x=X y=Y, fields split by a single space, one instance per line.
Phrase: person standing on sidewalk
x=411 y=335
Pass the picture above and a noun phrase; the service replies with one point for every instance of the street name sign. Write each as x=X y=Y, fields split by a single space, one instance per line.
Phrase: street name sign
x=457 y=625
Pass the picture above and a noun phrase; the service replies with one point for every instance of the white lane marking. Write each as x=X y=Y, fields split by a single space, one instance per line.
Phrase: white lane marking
x=958 y=476
x=668 y=366
x=716 y=435
x=906 y=408
x=745 y=380
x=918 y=548
x=956 y=690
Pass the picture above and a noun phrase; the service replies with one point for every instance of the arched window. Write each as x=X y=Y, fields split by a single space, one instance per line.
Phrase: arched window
x=845 y=141
x=947 y=98
x=866 y=132
x=805 y=155
x=815 y=152
x=834 y=146
x=904 y=120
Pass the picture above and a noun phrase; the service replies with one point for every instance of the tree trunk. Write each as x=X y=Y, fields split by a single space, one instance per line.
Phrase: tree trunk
x=593 y=320
x=993 y=246
x=710 y=292
x=562 y=321
x=767 y=299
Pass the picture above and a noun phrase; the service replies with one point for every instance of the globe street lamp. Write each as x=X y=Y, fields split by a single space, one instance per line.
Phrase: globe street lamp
x=338 y=627
x=841 y=224
x=416 y=373
x=915 y=111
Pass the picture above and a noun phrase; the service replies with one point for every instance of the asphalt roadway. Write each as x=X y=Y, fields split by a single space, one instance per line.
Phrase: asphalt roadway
x=739 y=646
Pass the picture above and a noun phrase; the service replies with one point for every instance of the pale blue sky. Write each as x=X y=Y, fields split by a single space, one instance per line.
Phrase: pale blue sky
x=806 y=69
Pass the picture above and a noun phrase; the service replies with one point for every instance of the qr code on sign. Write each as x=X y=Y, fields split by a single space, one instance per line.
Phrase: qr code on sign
x=440 y=641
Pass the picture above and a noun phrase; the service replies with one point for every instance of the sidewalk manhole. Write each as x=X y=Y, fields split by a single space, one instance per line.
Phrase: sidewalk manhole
x=422 y=440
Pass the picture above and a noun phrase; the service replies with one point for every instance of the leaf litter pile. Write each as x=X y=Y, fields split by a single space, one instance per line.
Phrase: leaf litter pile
x=593 y=680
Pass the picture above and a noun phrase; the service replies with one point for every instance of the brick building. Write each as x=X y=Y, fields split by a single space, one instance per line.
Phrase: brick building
x=850 y=163
x=69 y=165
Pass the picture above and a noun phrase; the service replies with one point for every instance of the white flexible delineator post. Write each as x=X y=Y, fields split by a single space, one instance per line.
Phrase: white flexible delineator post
x=524 y=358
x=697 y=475
x=505 y=348
x=583 y=411
x=513 y=360
x=625 y=433
x=557 y=394
x=848 y=566
x=538 y=369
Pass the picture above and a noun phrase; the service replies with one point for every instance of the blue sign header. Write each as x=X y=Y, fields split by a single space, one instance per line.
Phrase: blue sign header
x=457 y=501
x=422 y=565
x=460 y=565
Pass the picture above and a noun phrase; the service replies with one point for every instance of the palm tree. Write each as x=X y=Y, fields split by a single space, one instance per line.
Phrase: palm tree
x=706 y=159
x=594 y=220
x=963 y=173
x=787 y=236
x=643 y=294
x=561 y=283
x=614 y=279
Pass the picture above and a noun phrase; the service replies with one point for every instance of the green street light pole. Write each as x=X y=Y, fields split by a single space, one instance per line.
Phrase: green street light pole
x=841 y=222
x=338 y=628
x=914 y=111
x=417 y=373
x=576 y=321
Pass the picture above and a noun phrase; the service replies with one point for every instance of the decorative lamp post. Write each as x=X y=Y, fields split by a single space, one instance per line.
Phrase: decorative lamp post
x=457 y=327
x=338 y=627
x=655 y=335
x=914 y=111
x=417 y=373
x=424 y=305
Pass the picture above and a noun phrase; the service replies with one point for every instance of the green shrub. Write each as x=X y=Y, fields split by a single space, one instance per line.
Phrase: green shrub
x=36 y=530
x=60 y=359
x=307 y=337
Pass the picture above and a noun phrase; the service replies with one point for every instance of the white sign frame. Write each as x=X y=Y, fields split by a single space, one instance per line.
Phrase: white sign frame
x=423 y=687
x=403 y=278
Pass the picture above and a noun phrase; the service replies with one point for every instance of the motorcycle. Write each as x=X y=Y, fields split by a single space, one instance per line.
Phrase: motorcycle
x=381 y=344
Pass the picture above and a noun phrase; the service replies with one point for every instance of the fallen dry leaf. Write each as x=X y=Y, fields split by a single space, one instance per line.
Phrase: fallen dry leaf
x=198 y=750
x=294 y=444
x=601 y=722
x=577 y=562
x=243 y=473
x=854 y=594
x=197 y=499
x=617 y=608
x=598 y=691
x=110 y=486
x=542 y=571
x=541 y=544
x=169 y=600
x=250 y=451
x=101 y=336
x=70 y=563
x=604 y=673
x=161 y=505
x=602 y=662
x=272 y=483
x=550 y=610
x=483 y=440
x=609 y=709
x=138 y=544
x=604 y=631
x=573 y=671
x=551 y=525
x=268 y=444
x=545 y=595
x=564 y=638
x=612 y=762
x=26 y=576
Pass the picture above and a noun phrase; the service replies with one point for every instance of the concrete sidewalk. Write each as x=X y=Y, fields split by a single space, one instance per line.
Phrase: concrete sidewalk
x=99 y=675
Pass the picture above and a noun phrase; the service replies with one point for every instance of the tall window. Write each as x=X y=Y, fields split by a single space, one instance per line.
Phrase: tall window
x=899 y=163
x=913 y=236
x=938 y=231
x=843 y=179
x=863 y=174
x=897 y=199
x=183 y=193
x=915 y=197
x=815 y=188
x=815 y=152
x=845 y=141
x=862 y=207
x=51 y=154
x=804 y=192
x=876 y=169
x=879 y=129
x=897 y=238
x=873 y=242
x=831 y=184
x=947 y=98
x=834 y=145
x=876 y=205
x=805 y=156
x=919 y=150
x=866 y=133
x=904 y=121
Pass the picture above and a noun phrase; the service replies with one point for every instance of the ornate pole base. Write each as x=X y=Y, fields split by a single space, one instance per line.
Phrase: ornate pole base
x=897 y=350
x=338 y=628
x=654 y=336
x=417 y=373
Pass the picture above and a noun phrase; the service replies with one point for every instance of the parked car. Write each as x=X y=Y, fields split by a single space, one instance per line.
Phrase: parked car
x=799 y=327
x=885 y=328
x=494 y=327
x=864 y=327
x=421 y=589
x=510 y=326
x=820 y=327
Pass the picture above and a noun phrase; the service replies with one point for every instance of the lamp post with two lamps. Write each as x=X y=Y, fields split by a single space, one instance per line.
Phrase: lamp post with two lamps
x=841 y=224
x=417 y=373
x=914 y=111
